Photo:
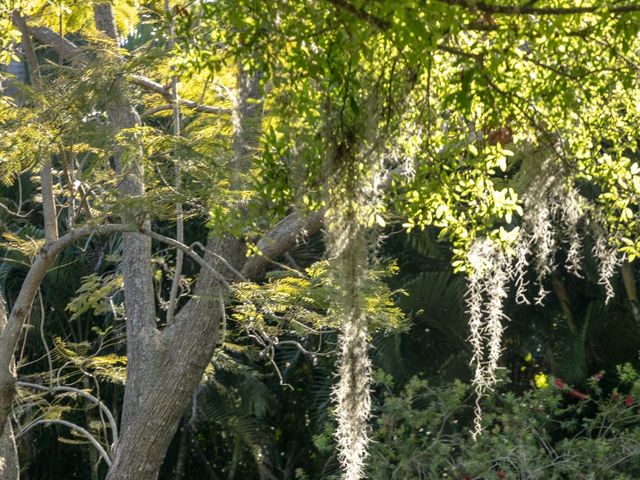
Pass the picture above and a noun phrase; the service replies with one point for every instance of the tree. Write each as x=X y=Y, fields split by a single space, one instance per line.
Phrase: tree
x=510 y=128
x=157 y=359
x=448 y=92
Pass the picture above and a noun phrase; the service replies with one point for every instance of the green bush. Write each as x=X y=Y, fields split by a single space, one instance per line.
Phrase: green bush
x=545 y=433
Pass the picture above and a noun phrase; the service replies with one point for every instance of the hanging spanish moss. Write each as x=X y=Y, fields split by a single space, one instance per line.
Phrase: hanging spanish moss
x=608 y=262
x=352 y=396
x=352 y=196
x=487 y=290
x=554 y=212
x=555 y=215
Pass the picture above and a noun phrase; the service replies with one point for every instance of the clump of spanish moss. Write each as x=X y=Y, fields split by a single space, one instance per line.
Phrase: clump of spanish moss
x=353 y=197
x=608 y=262
x=555 y=215
x=352 y=396
x=553 y=211
x=487 y=290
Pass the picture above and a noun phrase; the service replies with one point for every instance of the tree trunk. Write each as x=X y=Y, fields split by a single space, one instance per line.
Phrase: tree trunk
x=172 y=372
x=164 y=367
x=9 y=465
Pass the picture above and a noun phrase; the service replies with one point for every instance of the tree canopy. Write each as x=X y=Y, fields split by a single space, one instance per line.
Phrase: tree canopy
x=213 y=208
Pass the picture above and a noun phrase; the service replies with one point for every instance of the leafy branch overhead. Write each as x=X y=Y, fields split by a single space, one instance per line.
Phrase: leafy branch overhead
x=221 y=220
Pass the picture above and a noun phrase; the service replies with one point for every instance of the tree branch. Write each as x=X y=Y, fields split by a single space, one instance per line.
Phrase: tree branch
x=496 y=9
x=66 y=49
x=289 y=231
x=528 y=9
x=69 y=51
x=103 y=453
x=151 y=86
x=384 y=25
x=283 y=237
x=82 y=393
x=378 y=22
x=22 y=306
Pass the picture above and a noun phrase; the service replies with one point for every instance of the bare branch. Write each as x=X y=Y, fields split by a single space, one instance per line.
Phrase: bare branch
x=66 y=49
x=81 y=393
x=22 y=306
x=103 y=453
x=378 y=22
x=151 y=86
x=529 y=9
x=291 y=230
x=283 y=237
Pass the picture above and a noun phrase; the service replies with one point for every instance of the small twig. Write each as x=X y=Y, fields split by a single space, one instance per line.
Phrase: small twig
x=103 y=453
x=15 y=214
x=81 y=393
x=188 y=250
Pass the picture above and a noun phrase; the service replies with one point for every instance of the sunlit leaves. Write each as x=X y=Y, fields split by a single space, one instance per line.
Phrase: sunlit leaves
x=298 y=301
x=94 y=295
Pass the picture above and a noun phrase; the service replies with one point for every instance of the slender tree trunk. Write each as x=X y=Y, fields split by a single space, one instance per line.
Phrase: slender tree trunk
x=181 y=461
x=46 y=178
x=175 y=107
x=11 y=334
x=9 y=465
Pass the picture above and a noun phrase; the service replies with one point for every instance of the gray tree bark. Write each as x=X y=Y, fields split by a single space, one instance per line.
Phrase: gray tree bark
x=9 y=465
x=164 y=367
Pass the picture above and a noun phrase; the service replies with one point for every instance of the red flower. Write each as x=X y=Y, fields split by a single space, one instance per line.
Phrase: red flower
x=628 y=401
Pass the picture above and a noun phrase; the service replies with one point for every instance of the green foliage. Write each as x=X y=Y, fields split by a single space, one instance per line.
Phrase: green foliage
x=455 y=97
x=78 y=358
x=438 y=114
x=422 y=432
x=94 y=295
x=299 y=302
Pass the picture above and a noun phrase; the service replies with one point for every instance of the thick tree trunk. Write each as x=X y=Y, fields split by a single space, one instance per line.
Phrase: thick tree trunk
x=164 y=367
x=175 y=368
